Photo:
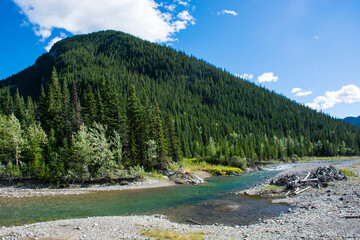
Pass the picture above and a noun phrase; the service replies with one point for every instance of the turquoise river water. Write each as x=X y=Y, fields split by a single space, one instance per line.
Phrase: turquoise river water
x=209 y=203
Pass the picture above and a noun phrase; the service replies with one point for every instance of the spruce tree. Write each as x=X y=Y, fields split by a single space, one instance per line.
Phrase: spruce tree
x=172 y=139
x=88 y=106
x=133 y=117
x=161 y=145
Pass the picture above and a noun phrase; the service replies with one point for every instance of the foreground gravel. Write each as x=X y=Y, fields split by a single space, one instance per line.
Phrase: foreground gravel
x=316 y=214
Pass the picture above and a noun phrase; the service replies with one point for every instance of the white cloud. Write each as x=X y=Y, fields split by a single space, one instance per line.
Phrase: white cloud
x=185 y=16
x=246 y=76
x=347 y=94
x=141 y=18
x=184 y=3
x=52 y=42
x=300 y=92
x=316 y=37
x=171 y=7
x=267 y=77
x=228 y=12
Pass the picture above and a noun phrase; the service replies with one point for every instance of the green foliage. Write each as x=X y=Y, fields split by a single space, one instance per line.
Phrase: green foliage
x=12 y=170
x=347 y=172
x=12 y=140
x=137 y=172
x=198 y=164
x=273 y=187
x=172 y=235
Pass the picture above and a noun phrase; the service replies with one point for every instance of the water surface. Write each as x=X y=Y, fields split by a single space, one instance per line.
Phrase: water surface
x=212 y=202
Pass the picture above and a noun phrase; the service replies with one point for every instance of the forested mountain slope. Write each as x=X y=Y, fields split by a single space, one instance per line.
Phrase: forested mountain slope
x=353 y=120
x=214 y=113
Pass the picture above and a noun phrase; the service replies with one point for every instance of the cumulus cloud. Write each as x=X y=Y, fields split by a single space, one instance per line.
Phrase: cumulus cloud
x=347 y=94
x=300 y=92
x=246 y=76
x=171 y=7
x=142 y=18
x=268 y=77
x=185 y=16
x=184 y=3
x=52 y=42
x=231 y=12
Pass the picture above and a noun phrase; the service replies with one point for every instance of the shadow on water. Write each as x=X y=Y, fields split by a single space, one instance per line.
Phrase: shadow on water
x=212 y=202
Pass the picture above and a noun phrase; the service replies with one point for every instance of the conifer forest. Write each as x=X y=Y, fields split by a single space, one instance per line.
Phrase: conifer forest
x=109 y=104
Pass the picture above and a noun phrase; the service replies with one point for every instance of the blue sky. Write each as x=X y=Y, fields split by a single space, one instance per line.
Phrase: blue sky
x=306 y=50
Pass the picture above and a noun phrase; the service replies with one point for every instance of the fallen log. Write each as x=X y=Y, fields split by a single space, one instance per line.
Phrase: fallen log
x=297 y=192
x=192 y=221
x=307 y=176
x=358 y=216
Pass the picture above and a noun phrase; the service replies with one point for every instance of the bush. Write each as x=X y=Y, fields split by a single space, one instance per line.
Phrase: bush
x=238 y=162
x=347 y=172
x=137 y=172
x=12 y=171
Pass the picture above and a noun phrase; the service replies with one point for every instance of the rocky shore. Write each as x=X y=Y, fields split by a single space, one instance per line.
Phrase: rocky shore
x=19 y=192
x=327 y=213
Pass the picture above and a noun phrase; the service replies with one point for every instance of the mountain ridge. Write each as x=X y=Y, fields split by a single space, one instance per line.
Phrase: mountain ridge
x=353 y=120
x=205 y=101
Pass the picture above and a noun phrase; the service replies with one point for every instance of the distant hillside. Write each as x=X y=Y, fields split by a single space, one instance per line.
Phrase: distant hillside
x=353 y=120
x=214 y=112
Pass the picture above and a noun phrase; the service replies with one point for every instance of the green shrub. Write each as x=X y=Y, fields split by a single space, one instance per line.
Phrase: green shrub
x=155 y=174
x=12 y=170
x=238 y=162
x=347 y=172
x=137 y=172
x=172 y=235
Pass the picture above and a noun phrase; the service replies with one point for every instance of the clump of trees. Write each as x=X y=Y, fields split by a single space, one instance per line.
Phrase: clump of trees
x=57 y=137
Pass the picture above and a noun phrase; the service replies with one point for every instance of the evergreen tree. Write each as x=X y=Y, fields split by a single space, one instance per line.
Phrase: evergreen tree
x=133 y=119
x=161 y=144
x=89 y=109
x=19 y=107
x=75 y=107
x=172 y=139
x=54 y=109
x=7 y=103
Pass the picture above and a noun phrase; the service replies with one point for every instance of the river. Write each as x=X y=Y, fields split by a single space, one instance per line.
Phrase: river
x=209 y=203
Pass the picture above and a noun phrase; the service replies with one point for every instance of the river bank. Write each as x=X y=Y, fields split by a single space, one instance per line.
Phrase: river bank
x=315 y=214
x=20 y=192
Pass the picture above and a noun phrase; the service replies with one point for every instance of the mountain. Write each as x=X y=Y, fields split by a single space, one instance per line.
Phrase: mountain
x=353 y=120
x=214 y=112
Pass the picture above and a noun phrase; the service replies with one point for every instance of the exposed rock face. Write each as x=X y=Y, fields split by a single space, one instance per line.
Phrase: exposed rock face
x=184 y=177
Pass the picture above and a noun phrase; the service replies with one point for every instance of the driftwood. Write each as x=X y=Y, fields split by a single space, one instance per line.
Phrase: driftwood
x=192 y=221
x=307 y=176
x=297 y=192
x=316 y=178
x=358 y=216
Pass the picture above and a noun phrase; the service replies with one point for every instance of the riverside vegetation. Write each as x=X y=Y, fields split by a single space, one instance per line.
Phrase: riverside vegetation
x=108 y=105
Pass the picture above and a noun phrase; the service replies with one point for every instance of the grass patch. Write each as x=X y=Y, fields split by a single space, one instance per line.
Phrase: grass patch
x=273 y=187
x=347 y=172
x=157 y=175
x=193 y=165
x=172 y=235
x=335 y=158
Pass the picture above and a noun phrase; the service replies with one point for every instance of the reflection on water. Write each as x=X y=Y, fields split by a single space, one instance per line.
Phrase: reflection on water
x=207 y=203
